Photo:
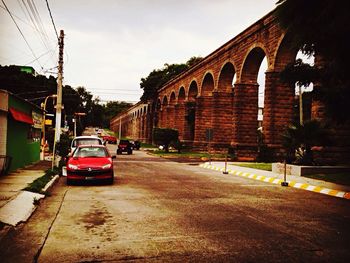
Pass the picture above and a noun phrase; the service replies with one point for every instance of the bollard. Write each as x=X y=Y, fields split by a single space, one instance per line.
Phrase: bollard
x=225 y=172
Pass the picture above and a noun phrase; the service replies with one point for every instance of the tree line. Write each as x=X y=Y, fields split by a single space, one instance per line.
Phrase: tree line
x=35 y=88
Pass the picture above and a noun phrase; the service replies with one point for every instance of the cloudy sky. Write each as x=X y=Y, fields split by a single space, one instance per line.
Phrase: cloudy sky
x=111 y=44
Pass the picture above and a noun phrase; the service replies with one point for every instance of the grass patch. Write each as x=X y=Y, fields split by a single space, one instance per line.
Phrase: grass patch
x=260 y=166
x=338 y=178
x=148 y=145
x=38 y=184
x=161 y=153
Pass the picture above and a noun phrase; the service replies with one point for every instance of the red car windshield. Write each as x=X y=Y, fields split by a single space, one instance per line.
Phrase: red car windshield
x=90 y=152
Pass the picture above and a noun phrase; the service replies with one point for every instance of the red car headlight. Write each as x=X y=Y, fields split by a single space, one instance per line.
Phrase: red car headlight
x=107 y=166
x=72 y=166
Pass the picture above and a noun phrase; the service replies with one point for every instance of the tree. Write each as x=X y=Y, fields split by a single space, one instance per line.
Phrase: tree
x=321 y=27
x=158 y=77
x=113 y=108
x=36 y=88
x=28 y=86
x=298 y=141
x=164 y=136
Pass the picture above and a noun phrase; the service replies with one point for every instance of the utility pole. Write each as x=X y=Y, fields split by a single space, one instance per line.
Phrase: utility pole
x=59 y=95
x=120 y=128
x=301 y=113
x=59 y=88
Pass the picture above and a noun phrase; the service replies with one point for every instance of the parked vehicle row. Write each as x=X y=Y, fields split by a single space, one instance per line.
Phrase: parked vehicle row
x=90 y=160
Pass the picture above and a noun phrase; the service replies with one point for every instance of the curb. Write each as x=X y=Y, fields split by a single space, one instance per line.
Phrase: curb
x=49 y=185
x=273 y=180
x=23 y=205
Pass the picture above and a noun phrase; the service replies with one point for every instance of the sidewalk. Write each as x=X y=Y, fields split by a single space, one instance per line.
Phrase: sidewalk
x=17 y=205
x=300 y=182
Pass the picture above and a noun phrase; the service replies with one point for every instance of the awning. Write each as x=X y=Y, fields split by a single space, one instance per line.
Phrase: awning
x=21 y=116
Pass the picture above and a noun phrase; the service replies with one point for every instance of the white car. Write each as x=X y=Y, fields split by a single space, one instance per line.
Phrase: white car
x=82 y=140
x=85 y=140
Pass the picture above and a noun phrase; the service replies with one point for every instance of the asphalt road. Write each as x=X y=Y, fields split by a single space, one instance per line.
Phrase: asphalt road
x=163 y=211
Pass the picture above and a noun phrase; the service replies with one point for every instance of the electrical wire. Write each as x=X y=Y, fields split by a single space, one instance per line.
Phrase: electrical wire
x=20 y=31
x=39 y=24
x=53 y=23
x=37 y=58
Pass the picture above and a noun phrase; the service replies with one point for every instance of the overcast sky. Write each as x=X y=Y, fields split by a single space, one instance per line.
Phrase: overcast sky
x=111 y=44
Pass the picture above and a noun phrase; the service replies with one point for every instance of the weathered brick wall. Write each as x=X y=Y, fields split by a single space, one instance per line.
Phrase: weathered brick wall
x=207 y=92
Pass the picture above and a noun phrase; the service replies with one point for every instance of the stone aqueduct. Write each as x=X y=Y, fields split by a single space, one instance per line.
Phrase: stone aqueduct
x=205 y=97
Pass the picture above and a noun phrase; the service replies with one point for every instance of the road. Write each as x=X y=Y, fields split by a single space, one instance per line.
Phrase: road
x=163 y=211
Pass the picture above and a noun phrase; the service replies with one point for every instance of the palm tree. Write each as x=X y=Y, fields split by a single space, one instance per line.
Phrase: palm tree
x=299 y=139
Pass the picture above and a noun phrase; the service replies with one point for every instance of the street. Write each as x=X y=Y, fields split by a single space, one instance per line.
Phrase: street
x=163 y=211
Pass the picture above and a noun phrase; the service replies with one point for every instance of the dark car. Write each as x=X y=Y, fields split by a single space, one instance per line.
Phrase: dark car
x=137 y=145
x=124 y=146
x=89 y=163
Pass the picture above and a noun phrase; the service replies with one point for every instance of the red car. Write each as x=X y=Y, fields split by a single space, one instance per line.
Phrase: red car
x=89 y=163
x=109 y=139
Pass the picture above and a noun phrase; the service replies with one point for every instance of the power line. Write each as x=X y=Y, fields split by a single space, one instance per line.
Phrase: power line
x=53 y=23
x=38 y=57
x=44 y=37
x=20 y=31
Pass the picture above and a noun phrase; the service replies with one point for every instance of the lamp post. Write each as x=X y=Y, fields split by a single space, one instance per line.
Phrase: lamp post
x=43 y=106
x=75 y=121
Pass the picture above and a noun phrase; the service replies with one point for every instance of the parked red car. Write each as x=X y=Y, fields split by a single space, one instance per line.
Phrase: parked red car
x=109 y=139
x=89 y=163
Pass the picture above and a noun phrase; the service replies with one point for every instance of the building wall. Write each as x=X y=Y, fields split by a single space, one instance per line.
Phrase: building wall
x=3 y=122
x=23 y=140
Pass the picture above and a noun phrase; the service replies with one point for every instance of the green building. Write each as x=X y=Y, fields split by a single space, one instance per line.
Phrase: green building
x=20 y=132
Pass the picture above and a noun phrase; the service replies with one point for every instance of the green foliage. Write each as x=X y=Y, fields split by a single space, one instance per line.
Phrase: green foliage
x=298 y=141
x=27 y=86
x=37 y=88
x=265 y=154
x=38 y=184
x=164 y=137
x=178 y=145
x=259 y=165
x=63 y=146
x=158 y=77
x=321 y=27
x=113 y=108
x=298 y=72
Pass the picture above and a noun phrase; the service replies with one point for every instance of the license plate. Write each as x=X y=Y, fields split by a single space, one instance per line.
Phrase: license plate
x=89 y=178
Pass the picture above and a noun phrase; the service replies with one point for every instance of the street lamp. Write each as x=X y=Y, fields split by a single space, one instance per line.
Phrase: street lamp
x=43 y=106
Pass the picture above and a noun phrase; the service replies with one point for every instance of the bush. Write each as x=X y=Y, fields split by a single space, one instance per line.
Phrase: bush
x=63 y=146
x=164 y=136
x=265 y=154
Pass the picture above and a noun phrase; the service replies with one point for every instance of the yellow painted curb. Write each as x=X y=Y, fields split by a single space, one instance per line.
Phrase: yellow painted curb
x=273 y=180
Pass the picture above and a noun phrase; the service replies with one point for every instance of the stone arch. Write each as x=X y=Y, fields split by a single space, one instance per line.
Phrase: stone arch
x=285 y=53
x=207 y=84
x=193 y=91
x=181 y=95
x=226 y=77
x=165 y=101
x=251 y=64
x=158 y=105
x=172 y=100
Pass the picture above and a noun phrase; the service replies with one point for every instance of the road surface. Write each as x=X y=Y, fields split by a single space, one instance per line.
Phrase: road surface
x=163 y=211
